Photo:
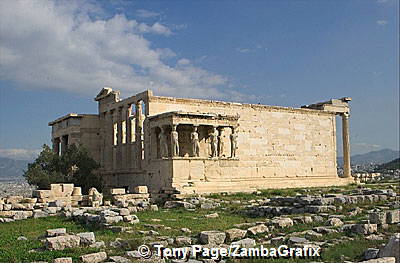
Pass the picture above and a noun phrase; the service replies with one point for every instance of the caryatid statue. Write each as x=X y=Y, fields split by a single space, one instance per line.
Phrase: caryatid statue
x=233 y=138
x=174 y=141
x=163 y=143
x=194 y=137
x=214 y=142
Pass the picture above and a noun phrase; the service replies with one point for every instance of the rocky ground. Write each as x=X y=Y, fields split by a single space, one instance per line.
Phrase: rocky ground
x=348 y=224
x=15 y=187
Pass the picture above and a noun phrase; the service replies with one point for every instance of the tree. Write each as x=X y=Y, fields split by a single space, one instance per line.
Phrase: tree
x=74 y=166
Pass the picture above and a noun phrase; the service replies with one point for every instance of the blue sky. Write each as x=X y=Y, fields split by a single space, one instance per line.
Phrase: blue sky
x=56 y=55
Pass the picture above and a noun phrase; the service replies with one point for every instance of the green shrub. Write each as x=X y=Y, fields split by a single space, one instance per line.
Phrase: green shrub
x=74 y=166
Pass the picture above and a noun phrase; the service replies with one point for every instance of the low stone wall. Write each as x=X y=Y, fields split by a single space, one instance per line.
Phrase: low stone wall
x=315 y=204
x=61 y=198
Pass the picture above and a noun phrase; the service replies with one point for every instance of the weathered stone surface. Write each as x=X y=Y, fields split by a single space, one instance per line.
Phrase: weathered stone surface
x=98 y=244
x=56 y=232
x=87 y=238
x=297 y=240
x=175 y=204
x=371 y=253
x=393 y=216
x=334 y=222
x=392 y=249
x=124 y=212
x=212 y=237
x=258 y=229
x=247 y=242
x=381 y=260
x=95 y=198
x=94 y=257
x=364 y=229
x=62 y=260
x=62 y=242
x=142 y=189
x=377 y=218
x=39 y=213
x=234 y=234
x=117 y=191
x=120 y=259
x=282 y=222
x=183 y=241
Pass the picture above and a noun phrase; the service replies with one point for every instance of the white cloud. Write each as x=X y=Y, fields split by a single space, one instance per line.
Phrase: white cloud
x=19 y=154
x=71 y=46
x=142 y=13
x=382 y=22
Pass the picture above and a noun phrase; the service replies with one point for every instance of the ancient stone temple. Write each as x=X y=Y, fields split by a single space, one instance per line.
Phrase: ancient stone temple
x=203 y=146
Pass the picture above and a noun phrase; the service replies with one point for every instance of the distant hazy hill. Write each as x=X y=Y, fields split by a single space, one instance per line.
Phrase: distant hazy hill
x=381 y=156
x=10 y=168
x=392 y=165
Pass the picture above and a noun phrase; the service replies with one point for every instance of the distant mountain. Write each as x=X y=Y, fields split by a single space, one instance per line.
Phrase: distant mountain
x=378 y=157
x=12 y=169
x=392 y=165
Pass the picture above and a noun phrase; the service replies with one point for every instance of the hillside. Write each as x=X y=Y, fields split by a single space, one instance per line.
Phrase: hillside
x=392 y=165
x=381 y=156
x=12 y=169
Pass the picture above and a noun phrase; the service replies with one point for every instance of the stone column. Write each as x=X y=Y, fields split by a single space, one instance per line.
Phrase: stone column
x=56 y=145
x=115 y=138
x=346 y=145
x=64 y=144
x=128 y=113
x=109 y=140
x=138 y=134
x=174 y=141
x=220 y=141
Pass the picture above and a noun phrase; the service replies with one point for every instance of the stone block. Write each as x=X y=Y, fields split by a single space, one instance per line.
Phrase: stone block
x=212 y=237
x=365 y=229
x=7 y=213
x=393 y=216
x=334 y=222
x=234 y=234
x=258 y=229
x=42 y=194
x=14 y=199
x=377 y=218
x=94 y=257
x=29 y=200
x=141 y=189
x=183 y=241
x=62 y=242
x=37 y=213
x=282 y=222
x=117 y=191
x=111 y=219
x=381 y=260
x=62 y=260
x=67 y=189
x=124 y=212
x=77 y=191
x=56 y=189
x=87 y=238
x=392 y=248
x=246 y=243
x=56 y=232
